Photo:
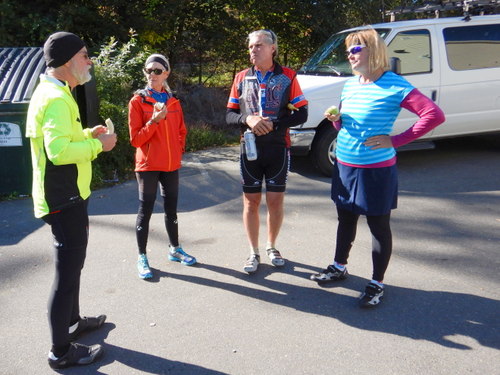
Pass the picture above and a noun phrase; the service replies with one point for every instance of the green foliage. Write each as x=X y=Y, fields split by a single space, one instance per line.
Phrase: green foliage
x=118 y=72
x=118 y=69
x=203 y=136
x=205 y=36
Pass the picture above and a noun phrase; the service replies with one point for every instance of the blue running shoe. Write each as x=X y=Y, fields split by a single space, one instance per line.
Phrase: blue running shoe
x=176 y=254
x=143 y=267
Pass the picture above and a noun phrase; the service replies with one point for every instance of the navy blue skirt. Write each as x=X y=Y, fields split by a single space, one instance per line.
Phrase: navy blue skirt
x=365 y=191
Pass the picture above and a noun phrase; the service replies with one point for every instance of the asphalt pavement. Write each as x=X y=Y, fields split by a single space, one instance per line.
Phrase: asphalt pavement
x=441 y=313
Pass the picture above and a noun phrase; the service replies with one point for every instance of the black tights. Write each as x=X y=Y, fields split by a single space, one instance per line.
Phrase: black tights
x=148 y=185
x=70 y=231
x=380 y=229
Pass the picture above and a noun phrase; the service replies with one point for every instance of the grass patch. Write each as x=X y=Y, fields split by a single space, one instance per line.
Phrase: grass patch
x=204 y=136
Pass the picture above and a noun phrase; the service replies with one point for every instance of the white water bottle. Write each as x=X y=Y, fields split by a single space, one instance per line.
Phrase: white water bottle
x=250 y=148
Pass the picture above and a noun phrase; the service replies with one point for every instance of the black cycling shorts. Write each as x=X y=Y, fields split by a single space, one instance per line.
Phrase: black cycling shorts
x=272 y=164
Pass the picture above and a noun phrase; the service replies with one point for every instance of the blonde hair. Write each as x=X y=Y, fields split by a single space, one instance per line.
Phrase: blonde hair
x=378 y=57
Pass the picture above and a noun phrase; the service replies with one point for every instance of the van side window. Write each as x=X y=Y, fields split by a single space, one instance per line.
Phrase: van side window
x=473 y=47
x=413 y=48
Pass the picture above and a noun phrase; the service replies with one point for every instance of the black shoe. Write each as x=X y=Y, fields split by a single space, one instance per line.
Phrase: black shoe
x=331 y=273
x=371 y=296
x=77 y=354
x=87 y=324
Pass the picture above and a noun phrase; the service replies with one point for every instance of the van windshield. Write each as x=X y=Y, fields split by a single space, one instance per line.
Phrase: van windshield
x=331 y=59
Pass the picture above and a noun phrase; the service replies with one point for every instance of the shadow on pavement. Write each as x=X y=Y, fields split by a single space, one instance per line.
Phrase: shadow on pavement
x=455 y=166
x=451 y=168
x=202 y=185
x=436 y=316
x=133 y=359
x=304 y=166
x=17 y=221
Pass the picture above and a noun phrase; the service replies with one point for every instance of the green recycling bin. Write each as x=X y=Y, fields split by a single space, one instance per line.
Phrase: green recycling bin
x=15 y=165
x=19 y=72
x=20 y=69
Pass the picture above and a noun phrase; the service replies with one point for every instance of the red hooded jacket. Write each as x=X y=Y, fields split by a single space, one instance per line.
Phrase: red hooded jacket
x=159 y=145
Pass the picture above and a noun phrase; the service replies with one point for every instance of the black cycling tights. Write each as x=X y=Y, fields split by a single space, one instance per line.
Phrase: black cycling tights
x=380 y=229
x=70 y=231
x=169 y=187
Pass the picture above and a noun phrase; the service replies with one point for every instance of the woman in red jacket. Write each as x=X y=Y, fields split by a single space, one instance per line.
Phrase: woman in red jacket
x=157 y=130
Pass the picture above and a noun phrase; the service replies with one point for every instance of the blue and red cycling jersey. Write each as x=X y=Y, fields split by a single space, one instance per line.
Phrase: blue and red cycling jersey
x=268 y=96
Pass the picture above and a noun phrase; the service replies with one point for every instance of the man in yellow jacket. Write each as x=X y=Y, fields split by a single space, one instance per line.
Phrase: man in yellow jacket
x=62 y=152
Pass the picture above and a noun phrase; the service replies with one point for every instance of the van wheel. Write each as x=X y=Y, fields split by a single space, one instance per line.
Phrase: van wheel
x=323 y=149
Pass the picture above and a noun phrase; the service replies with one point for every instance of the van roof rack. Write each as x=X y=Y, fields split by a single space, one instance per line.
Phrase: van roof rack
x=467 y=7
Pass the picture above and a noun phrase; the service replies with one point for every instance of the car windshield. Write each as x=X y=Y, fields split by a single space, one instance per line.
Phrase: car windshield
x=331 y=59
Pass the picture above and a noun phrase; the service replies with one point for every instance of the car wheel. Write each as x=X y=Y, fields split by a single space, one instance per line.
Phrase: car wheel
x=323 y=150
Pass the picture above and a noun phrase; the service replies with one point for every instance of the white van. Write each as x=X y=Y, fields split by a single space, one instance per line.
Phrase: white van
x=454 y=61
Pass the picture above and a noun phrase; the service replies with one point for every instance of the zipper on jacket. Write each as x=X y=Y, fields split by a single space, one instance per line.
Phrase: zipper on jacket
x=168 y=143
x=147 y=154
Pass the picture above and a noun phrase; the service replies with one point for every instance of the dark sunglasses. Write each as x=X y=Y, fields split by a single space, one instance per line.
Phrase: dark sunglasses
x=355 y=49
x=155 y=71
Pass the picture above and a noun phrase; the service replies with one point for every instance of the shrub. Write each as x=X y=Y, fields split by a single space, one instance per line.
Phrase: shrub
x=202 y=136
x=118 y=73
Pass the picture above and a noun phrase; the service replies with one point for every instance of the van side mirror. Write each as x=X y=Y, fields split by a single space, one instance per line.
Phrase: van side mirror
x=395 y=63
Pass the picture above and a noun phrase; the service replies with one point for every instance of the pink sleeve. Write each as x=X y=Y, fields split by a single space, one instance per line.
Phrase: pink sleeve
x=430 y=117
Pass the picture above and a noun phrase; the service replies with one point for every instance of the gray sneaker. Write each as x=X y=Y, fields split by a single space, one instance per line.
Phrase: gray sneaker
x=252 y=263
x=275 y=256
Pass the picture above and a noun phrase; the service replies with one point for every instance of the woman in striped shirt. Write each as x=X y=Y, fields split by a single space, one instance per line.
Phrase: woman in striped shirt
x=365 y=180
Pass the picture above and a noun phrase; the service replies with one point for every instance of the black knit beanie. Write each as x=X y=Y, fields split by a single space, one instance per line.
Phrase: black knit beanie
x=60 y=47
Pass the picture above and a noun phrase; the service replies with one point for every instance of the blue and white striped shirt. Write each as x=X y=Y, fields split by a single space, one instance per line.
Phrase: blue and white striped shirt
x=369 y=110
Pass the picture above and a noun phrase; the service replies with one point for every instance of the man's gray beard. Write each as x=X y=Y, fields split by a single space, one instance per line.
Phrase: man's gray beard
x=82 y=78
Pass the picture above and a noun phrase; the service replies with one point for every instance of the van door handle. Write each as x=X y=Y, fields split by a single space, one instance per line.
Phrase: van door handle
x=433 y=95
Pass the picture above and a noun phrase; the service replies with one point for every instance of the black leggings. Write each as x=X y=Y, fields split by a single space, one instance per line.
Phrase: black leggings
x=169 y=187
x=70 y=231
x=380 y=229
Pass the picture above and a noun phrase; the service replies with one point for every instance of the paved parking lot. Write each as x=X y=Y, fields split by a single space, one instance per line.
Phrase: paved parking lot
x=440 y=314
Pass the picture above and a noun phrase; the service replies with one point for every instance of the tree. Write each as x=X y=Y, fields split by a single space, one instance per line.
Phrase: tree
x=205 y=36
